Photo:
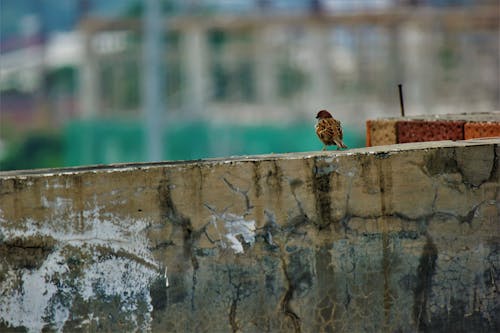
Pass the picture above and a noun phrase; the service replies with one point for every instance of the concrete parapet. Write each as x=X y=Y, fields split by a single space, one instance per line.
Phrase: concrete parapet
x=390 y=238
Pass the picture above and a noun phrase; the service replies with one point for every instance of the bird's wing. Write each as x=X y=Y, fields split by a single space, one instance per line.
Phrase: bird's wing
x=324 y=131
x=337 y=128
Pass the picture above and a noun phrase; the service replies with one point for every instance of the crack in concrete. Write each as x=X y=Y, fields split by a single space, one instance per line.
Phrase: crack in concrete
x=322 y=188
x=496 y=161
x=386 y=267
x=285 y=302
x=232 y=312
x=256 y=178
x=162 y=245
x=234 y=304
x=425 y=272
x=293 y=186
x=125 y=254
x=243 y=193
x=191 y=236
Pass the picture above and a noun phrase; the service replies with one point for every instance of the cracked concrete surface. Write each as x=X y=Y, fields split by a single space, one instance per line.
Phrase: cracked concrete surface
x=391 y=238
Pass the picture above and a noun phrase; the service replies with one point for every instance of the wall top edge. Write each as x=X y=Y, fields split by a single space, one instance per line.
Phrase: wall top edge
x=120 y=167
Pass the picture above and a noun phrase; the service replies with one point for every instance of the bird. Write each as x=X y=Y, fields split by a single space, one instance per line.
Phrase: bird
x=329 y=130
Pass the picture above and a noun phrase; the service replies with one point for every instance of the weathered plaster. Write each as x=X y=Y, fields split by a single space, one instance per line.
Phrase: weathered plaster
x=392 y=238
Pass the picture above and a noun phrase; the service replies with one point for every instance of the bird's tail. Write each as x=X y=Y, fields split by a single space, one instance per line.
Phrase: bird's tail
x=340 y=144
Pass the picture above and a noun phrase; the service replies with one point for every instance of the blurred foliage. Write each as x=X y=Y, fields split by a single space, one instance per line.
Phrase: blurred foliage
x=35 y=150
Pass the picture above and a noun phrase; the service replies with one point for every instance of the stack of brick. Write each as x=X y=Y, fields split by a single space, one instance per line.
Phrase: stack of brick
x=432 y=128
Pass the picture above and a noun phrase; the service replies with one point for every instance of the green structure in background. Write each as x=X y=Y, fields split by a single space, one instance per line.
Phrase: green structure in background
x=101 y=142
x=39 y=149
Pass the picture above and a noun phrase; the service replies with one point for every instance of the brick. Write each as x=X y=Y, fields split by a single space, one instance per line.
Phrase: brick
x=381 y=132
x=369 y=124
x=421 y=130
x=481 y=130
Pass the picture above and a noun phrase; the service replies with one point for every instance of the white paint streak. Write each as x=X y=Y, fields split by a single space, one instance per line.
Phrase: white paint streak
x=29 y=297
x=27 y=305
x=58 y=204
x=120 y=277
x=213 y=221
x=166 y=278
x=237 y=226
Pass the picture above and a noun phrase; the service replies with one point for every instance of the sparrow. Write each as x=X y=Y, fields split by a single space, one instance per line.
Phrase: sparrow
x=329 y=130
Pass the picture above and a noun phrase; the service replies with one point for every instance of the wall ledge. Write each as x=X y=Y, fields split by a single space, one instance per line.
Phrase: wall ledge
x=104 y=168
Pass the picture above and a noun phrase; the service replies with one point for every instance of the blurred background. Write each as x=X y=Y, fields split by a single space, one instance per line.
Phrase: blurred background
x=91 y=82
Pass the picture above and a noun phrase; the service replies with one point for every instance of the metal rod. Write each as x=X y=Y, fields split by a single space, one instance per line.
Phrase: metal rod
x=401 y=101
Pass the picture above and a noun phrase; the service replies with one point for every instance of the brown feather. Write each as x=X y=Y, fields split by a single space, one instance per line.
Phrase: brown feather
x=329 y=131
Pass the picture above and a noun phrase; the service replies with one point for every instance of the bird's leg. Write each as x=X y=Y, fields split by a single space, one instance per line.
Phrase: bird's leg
x=324 y=147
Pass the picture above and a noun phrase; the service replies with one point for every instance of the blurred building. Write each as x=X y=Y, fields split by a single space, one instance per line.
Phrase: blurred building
x=269 y=64
x=40 y=57
x=242 y=62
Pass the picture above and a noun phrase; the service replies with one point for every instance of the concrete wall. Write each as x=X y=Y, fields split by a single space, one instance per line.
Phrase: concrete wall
x=395 y=238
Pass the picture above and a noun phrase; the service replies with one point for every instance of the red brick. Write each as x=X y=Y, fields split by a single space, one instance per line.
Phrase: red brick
x=368 y=136
x=481 y=130
x=423 y=130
